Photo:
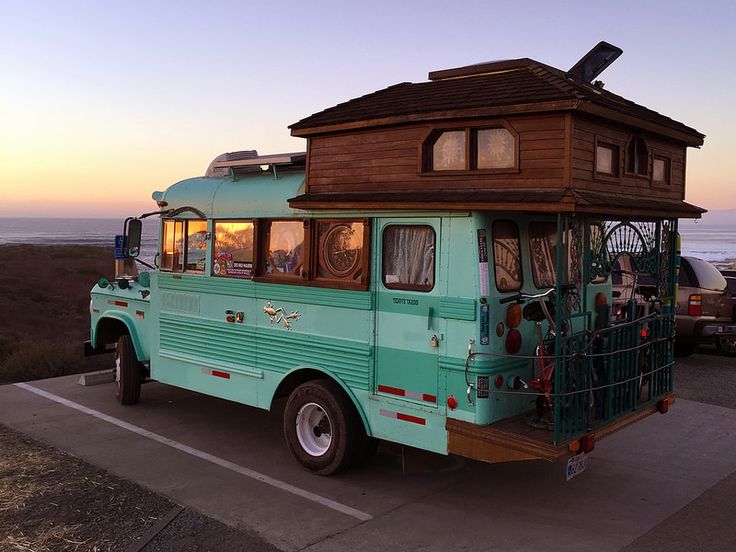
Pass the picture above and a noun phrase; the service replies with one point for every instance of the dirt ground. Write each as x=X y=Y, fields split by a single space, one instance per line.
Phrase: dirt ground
x=51 y=501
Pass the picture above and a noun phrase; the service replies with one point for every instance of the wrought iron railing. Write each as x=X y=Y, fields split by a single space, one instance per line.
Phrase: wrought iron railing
x=603 y=374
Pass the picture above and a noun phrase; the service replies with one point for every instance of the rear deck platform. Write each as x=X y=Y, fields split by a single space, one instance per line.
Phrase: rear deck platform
x=515 y=439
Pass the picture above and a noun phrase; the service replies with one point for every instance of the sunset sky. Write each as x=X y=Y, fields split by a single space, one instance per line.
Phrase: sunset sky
x=102 y=103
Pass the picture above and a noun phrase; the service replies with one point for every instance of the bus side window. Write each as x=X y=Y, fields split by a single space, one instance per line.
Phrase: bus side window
x=507 y=256
x=284 y=249
x=233 y=249
x=408 y=257
x=183 y=246
x=173 y=237
x=196 y=246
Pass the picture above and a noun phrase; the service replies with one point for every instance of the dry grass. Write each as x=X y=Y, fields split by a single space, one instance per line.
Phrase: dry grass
x=44 y=298
x=52 y=501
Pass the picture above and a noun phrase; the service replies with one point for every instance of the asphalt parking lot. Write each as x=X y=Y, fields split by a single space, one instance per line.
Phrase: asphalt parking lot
x=666 y=481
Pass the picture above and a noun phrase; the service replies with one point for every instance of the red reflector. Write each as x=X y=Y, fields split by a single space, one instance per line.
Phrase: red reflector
x=223 y=375
x=429 y=398
x=513 y=341
x=498 y=382
x=121 y=304
x=391 y=390
x=587 y=443
x=408 y=418
x=452 y=402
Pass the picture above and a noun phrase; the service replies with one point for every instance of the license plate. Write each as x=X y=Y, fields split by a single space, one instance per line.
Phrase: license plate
x=576 y=465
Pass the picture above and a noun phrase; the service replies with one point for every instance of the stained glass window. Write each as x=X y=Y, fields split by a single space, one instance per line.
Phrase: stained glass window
x=448 y=151
x=496 y=149
x=507 y=256
x=543 y=248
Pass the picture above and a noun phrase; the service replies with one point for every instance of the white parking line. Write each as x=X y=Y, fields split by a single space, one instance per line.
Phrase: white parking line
x=329 y=503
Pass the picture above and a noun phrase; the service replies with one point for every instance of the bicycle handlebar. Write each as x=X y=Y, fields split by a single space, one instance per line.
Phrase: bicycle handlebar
x=521 y=297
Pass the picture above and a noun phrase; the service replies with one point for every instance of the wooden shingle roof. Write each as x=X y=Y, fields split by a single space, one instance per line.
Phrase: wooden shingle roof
x=497 y=88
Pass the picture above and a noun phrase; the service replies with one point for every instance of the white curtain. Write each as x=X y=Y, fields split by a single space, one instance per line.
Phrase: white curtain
x=408 y=255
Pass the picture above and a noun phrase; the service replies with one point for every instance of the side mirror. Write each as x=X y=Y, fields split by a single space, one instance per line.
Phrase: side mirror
x=132 y=231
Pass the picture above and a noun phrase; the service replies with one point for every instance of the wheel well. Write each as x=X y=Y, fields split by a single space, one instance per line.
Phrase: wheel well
x=296 y=378
x=109 y=330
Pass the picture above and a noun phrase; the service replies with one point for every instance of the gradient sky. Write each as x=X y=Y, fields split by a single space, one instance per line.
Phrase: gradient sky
x=101 y=103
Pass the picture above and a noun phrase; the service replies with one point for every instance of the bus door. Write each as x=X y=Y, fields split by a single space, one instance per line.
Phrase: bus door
x=408 y=291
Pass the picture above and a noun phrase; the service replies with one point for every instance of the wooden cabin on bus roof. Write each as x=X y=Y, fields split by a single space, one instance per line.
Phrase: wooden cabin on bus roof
x=505 y=135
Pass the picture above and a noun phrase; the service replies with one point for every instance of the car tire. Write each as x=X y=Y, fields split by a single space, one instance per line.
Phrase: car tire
x=128 y=372
x=685 y=349
x=726 y=345
x=322 y=429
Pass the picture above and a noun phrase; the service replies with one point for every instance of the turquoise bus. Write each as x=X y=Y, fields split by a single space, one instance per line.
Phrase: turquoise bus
x=495 y=335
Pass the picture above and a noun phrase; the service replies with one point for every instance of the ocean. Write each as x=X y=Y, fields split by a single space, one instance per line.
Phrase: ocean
x=75 y=231
x=714 y=243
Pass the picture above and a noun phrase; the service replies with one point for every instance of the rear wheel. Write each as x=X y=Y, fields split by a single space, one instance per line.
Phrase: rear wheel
x=726 y=345
x=321 y=427
x=128 y=372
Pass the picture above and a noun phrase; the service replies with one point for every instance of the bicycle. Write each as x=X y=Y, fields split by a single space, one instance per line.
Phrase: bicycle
x=544 y=364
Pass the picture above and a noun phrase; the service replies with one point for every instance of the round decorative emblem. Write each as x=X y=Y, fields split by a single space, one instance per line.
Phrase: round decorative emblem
x=341 y=257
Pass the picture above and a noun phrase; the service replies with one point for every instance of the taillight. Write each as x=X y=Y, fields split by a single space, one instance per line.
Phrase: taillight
x=513 y=341
x=694 y=305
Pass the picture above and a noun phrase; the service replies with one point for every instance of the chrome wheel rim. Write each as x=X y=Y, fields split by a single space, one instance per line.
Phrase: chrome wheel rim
x=313 y=429
x=728 y=344
x=117 y=370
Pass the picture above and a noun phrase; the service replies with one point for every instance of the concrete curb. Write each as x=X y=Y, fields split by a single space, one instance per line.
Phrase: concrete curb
x=96 y=378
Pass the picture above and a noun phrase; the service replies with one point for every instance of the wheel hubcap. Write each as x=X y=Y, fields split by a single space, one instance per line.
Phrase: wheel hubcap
x=313 y=429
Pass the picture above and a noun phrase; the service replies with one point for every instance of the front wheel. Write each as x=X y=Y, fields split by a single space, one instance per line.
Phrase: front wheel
x=321 y=427
x=726 y=345
x=128 y=372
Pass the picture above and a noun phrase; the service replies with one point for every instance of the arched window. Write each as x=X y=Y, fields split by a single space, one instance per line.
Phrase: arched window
x=637 y=156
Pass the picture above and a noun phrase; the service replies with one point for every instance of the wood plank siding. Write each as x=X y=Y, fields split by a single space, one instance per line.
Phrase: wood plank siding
x=584 y=134
x=389 y=159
